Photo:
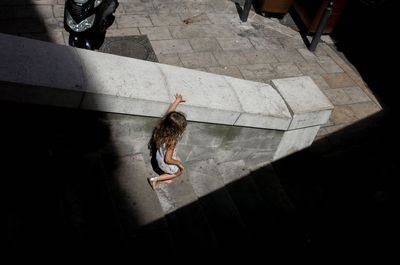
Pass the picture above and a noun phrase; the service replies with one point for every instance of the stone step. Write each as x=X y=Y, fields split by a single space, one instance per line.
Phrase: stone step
x=283 y=216
x=249 y=202
x=185 y=216
x=218 y=206
x=140 y=212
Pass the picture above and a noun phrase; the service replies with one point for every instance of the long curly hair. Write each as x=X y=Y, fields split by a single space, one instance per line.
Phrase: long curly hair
x=169 y=129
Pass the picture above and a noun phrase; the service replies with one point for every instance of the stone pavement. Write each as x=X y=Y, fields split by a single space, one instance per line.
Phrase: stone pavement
x=209 y=36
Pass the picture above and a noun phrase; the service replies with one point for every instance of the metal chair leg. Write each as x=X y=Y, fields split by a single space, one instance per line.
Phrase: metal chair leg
x=246 y=10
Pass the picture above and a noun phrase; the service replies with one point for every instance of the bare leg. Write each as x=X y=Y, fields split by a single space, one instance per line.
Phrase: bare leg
x=169 y=176
x=164 y=177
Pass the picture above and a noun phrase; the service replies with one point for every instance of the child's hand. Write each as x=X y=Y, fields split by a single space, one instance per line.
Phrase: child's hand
x=180 y=165
x=179 y=98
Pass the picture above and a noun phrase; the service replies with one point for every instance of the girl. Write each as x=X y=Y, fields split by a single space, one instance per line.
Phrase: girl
x=165 y=138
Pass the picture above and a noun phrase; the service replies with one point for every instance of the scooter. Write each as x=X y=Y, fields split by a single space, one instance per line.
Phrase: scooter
x=87 y=21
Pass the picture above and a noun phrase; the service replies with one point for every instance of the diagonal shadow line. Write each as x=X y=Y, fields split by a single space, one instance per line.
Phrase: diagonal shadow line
x=56 y=194
x=340 y=187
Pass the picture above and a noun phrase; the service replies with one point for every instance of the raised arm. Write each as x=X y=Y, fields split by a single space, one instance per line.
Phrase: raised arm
x=178 y=99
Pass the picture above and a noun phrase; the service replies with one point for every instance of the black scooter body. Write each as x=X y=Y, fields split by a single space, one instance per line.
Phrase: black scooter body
x=91 y=37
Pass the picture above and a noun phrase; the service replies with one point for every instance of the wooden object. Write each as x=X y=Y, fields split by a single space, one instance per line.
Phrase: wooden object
x=275 y=6
x=310 y=12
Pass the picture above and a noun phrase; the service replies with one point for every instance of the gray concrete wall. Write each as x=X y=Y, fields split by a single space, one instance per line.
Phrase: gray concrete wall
x=200 y=141
x=230 y=119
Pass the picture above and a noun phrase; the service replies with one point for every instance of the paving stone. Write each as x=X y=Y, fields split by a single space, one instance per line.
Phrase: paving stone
x=226 y=70
x=364 y=109
x=205 y=44
x=122 y=32
x=338 y=80
x=218 y=206
x=156 y=33
x=195 y=7
x=130 y=177
x=171 y=59
x=343 y=114
x=337 y=96
x=197 y=59
x=234 y=44
x=320 y=52
x=259 y=159
x=348 y=95
x=138 y=8
x=168 y=7
x=199 y=153
x=224 y=18
x=356 y=94
x=219 y=31
x=204 y=177
x=230 y=58
x=342 y=64
x=128 y=21
x=286 y=69
x=232 y=171
x=259 y=57
x=310 y=68
x=257 y=71
x=247 y=198
x=166 y=20
x=269 y=32
x=250 y=32
x=171 y=46
x=58 y=10
x=174 y=196
x=194 y=18
x=335 y=128
x=320 y=81
x=188 y=32
x=307 y=55
x=266 y=43
x=291 y=43
x=285 y=56
x=57 y=37
x=330 y=66
x=54 y=24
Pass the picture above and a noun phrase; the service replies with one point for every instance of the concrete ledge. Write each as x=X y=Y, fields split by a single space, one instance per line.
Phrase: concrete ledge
x=290 y=113
x=307 y=104
x=126 y=85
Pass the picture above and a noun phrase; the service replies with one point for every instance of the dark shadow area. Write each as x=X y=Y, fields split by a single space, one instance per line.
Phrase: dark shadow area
x=344 y=187
x=59 y=166
x=334 y=200
x=364 y=34
x=55 y=163
x=20 y=18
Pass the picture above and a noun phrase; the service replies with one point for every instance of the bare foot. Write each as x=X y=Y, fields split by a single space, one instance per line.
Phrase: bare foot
x=152 y=182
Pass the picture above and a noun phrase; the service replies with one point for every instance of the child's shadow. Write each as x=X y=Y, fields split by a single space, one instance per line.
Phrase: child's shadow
x=153 y=150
